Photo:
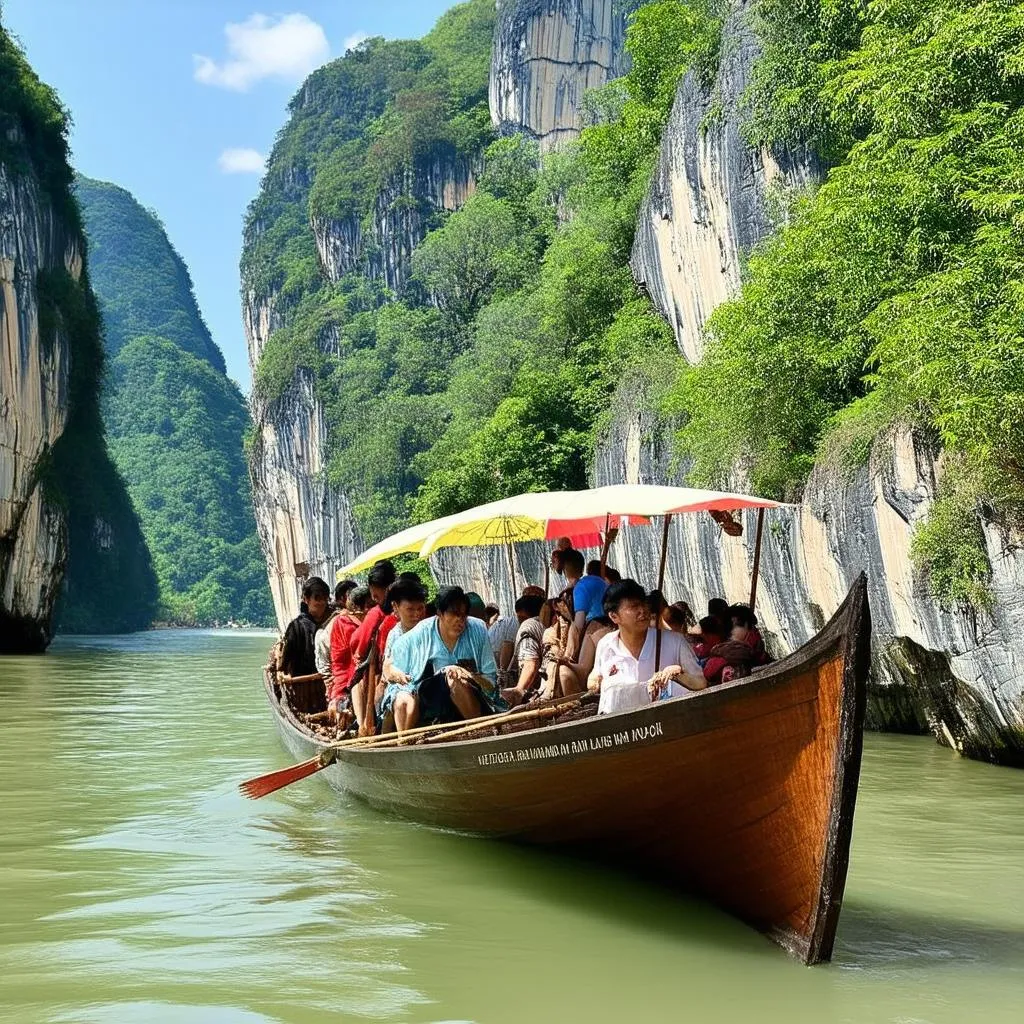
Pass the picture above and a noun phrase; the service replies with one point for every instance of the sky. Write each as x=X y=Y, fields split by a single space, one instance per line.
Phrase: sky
x=179 y=101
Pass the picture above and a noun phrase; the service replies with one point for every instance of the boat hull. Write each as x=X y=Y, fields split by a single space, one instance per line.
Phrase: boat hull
x=743 y=793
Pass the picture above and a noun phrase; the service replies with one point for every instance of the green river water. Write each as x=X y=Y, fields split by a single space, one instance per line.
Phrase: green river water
x=137 y=885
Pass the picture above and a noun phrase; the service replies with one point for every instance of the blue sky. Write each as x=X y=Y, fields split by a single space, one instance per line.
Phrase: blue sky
x=177 y=100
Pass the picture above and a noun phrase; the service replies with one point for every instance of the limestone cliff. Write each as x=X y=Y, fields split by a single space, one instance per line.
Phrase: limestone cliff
x=547 y=54
x=402 y=214
x=68 y=533
x=34 y=378
x=713 y=197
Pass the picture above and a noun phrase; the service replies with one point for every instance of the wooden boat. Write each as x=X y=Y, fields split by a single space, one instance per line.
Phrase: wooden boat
x=743 y=792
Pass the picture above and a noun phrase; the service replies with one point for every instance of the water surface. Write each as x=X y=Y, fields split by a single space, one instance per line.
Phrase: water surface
x=137 y=885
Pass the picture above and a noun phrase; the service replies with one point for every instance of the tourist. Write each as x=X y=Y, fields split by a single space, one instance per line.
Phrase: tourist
x=477 y=608
x=378 y=623
x=322 y=642
x=298 y=650
x=491 y=615
x=528 y=648
x=624 y=665
x=566 y=676
x=657 y=604
x=406 y=601
x=611 y=575
x=343 y=663
x=502 y=636
x=443 y=669
x=744 y=629
x=718 y=608
x=679 y=618
x=587 y=593
x=711 y=636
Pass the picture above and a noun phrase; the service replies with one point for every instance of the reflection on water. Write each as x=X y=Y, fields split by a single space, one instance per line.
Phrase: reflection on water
x=137 y=885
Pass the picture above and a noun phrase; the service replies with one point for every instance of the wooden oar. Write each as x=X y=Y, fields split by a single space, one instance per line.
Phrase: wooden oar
x=269 y=783
x=264 y=784
x=284 y=680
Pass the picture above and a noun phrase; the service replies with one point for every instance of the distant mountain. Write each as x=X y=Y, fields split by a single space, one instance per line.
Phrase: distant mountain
x=175 y=421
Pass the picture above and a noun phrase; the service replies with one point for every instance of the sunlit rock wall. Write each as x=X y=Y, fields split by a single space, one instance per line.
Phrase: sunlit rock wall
x=402 y=215
x=33 y=413
x=713 y=197
x=547 y=54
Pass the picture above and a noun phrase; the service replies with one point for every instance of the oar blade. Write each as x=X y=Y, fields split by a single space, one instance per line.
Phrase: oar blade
x=273 y=781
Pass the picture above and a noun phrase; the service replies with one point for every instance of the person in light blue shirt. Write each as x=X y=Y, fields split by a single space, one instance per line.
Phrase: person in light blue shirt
x=443 y=669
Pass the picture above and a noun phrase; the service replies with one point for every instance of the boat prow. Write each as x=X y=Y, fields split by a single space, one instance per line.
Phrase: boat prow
x=743 y=793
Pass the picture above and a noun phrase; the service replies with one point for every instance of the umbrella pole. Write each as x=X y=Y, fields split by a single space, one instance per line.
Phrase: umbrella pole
x=607 y=542
x=512 y=568
x=757 y=557
x=661 y=590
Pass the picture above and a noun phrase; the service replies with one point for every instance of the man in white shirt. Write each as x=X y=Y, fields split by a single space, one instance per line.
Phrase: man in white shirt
x=624 y=666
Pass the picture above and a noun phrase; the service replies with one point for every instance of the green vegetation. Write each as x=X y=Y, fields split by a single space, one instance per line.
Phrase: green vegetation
x=895 y=293
x=109 y=584
x=176 y=422
x=494 y=370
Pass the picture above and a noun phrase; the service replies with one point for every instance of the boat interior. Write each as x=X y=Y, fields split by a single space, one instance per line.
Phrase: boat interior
x=305 y=706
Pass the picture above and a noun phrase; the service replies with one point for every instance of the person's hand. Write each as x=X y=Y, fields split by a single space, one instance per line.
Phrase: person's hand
x=457 y=674
x=368 y=728
x=594 y=684
x=660 y=680
x=332 y=710
x=396 y=675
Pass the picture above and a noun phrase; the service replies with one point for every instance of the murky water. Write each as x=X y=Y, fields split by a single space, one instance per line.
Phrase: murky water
x=137 y=885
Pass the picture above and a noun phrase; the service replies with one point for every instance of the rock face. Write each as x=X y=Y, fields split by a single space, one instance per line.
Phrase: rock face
x=34 y=379
x=961 y=675
x=713 y=197
x=547 y=54
x=304 y=524
x=402 y=215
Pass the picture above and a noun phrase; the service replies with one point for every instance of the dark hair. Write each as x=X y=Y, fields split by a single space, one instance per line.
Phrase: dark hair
x=381 y=575
x=360 y=598
x=491 y=610
x=451 y=599
x=656 y=602
x=404 y=590
x=625 y=590
x=573 y=559
x=712 y=625
x=743 y=615
x=594 y=567
x=558 y=559
x=475 y=604
x=317 y=586
x=679 y=614
x=342 y=589
x=612 y=575
x=530 y=605
x=719 y=608
x=409 y=575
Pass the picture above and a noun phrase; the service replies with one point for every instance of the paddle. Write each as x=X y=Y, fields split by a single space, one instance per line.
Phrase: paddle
x=269 y=783
x=264 y=784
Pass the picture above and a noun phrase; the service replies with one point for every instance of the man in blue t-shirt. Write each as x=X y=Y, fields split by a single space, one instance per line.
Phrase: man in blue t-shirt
x=587 y=591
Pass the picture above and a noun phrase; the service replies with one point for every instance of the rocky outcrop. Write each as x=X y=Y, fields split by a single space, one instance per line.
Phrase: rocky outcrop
x=34 y=379
x=402 y=215
x=547 y=54
x=713 y=197
x=955 y=672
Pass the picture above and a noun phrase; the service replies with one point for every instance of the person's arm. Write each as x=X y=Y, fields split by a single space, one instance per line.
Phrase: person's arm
x=505 y=655
x=361 y=637
x=529 y=672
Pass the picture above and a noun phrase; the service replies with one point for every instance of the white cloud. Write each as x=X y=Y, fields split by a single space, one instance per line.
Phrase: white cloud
x=354 y=40
x=241 y=161
x=287 y=47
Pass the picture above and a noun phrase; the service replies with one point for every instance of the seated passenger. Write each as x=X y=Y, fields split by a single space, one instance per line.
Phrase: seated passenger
x=527 y=649
x=718 y=608
x=343 y=665
x=624 y=671
x=744 y=629
x=378 y=623
x=443 y=669
x=612 y=575
x=406 y=600
x=298 y=650
x=322 y=642
x=743 y=651
x=502 y=636
x=587 y=594
x=566 y=677
x=711 y=636
x=678 y=618
x=477 y=608
x=491 y=615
